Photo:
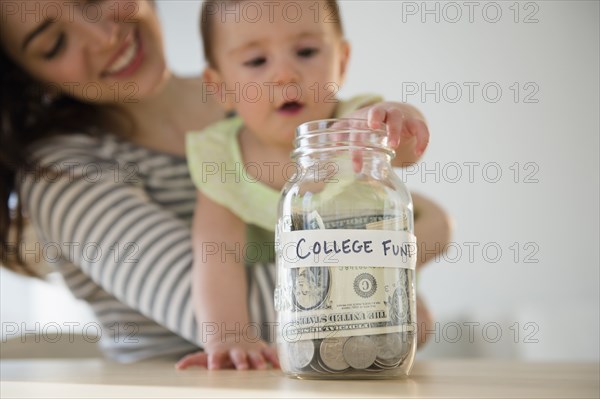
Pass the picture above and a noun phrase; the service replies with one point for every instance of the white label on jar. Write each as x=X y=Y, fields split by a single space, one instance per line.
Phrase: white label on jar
x=346 y=247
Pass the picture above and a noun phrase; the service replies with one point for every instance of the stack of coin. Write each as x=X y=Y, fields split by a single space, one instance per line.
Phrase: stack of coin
x=391 y=349
x=345 y=354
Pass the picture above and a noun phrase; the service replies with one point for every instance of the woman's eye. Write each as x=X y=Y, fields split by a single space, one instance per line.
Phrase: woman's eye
x=255 y=62
x=58 y=45
x=307 y=52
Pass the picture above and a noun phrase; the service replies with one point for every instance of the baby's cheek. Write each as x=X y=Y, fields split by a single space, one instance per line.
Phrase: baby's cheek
x=251 y=113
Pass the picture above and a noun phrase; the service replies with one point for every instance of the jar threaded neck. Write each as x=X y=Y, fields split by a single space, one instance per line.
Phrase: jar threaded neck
x=343 y=134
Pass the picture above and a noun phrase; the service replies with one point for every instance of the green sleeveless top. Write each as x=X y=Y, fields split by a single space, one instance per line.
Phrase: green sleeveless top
x=217 y=169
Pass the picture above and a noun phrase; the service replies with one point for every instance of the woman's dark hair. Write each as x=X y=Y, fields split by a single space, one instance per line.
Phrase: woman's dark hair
x=28 y=113
x=330 y=13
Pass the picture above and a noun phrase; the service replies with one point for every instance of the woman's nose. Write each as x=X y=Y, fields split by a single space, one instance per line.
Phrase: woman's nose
x=101 y=34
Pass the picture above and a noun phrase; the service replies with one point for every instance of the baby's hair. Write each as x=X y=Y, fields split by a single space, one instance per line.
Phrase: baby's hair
x=329 y=13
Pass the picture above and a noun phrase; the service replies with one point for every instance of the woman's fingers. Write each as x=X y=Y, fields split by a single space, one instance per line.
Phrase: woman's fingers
x=195 y=359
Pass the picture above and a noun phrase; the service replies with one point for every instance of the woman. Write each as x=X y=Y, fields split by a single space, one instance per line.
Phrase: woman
x=93 y=127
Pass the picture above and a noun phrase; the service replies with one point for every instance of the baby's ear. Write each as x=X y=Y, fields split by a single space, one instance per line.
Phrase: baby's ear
x=344 y=59
x=215 y=85
x=211 y=75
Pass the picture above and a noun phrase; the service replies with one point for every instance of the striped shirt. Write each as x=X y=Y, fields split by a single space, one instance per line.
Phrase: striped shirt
x=119 y=215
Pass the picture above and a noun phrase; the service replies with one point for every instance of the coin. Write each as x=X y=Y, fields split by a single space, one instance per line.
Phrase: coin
x=318 y=367
x=386 y=366
x=360 y=352
x=301 y=353
x=389 y=347
x=331 y=351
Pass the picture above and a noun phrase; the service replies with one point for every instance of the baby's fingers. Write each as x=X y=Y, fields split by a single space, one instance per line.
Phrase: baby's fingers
x=218 y=360
x=395 y=121
x=357 y=161
x=417 y=128
x=393 y=117
x=239 y=358
x=257 y=360
x=194 y=359
x=376 y=117
x=270 y=353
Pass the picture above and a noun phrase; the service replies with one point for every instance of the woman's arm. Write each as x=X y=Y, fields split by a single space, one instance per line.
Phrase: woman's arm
x=219 y=288
x=106 y=224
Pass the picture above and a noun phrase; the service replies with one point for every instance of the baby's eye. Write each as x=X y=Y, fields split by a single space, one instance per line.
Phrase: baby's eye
x=58 y=45
x=255 y=62
x=307 y=52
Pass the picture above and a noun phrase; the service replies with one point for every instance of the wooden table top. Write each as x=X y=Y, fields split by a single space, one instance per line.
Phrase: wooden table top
x=443 y=378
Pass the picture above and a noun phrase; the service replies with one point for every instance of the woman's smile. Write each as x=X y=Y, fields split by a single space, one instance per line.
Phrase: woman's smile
x=128 y=58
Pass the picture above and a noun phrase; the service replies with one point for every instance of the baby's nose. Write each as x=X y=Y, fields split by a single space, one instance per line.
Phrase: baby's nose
x=285 y=73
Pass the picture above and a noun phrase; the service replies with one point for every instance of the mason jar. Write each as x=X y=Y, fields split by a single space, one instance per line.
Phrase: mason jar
x=346 y=256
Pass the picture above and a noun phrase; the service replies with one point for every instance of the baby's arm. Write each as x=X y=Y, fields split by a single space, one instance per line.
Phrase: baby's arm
x=433 y=229
x=219 y=290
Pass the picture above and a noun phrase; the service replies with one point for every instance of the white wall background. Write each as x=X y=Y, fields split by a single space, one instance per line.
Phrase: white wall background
x=541 y=134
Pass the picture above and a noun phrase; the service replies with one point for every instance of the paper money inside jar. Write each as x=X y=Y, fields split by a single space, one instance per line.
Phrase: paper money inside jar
x=346 y=257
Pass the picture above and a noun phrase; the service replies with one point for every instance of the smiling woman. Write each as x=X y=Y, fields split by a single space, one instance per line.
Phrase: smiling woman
x=92 y=162
x=62 y=46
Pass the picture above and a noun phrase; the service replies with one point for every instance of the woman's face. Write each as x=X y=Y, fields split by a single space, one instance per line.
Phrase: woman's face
x=107 y=51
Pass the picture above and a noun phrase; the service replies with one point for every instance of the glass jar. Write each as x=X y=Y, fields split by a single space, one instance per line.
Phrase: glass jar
x=346 y=256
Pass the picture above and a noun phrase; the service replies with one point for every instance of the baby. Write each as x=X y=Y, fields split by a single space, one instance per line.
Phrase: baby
x=275 y=74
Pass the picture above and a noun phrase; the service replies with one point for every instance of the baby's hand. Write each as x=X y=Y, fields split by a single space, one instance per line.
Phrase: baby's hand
x=402 y=120
x=239 y=354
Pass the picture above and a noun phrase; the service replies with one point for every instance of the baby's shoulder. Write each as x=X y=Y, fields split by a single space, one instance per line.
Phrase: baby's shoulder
x=221 y=131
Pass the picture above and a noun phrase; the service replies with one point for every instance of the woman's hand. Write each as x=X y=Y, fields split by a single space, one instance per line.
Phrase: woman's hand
x=237 y=354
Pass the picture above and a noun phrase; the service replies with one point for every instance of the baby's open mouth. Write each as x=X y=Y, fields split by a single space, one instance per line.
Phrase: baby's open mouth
x=291 y=107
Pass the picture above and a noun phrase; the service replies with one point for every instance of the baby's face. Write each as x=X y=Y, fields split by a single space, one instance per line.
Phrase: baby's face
x=278 y=73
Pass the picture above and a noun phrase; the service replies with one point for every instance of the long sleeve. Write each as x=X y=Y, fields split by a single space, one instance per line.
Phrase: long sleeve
x=114 y=219
x=104 y=220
